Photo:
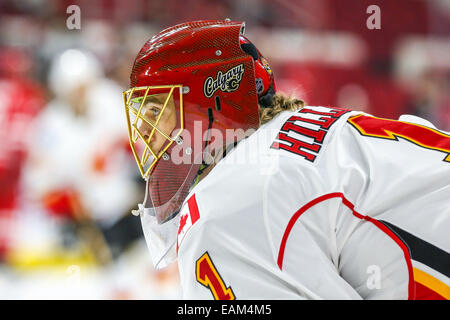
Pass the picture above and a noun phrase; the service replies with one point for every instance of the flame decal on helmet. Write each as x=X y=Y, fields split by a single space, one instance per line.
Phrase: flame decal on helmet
x=226 y=82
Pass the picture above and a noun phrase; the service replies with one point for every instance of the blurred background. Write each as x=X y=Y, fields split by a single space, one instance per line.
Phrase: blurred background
x=68 y=180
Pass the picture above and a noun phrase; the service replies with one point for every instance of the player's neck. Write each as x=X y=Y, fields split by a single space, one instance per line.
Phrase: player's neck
x=219 y=155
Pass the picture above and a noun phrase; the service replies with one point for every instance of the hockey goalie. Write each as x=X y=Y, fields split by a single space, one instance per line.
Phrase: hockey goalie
x=259 y=196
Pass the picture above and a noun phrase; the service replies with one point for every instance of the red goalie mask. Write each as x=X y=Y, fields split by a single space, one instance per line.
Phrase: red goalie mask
x=186 y=81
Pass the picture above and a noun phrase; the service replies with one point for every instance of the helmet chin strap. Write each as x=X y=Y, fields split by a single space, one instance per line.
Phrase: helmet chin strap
x=205 y=164
x=200 y=174
x=146 y=191
x=144 y=202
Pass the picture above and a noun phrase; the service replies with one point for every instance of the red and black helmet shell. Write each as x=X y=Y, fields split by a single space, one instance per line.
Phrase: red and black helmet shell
x=264 y=78
x=206 y=57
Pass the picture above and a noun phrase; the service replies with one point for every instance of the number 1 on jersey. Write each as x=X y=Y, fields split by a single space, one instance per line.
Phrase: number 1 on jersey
x=208 y=276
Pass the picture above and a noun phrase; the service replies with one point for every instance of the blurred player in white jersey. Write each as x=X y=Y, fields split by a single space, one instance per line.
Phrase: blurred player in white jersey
x=66 y=174
x=261 y=197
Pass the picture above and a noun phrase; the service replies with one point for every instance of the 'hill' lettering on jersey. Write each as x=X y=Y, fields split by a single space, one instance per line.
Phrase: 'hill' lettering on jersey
x=304 y=132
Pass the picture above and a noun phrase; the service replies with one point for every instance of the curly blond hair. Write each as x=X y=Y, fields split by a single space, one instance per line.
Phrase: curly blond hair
x=279 y=104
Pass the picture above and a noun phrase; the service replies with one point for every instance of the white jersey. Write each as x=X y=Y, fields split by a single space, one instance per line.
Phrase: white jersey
x=322 y=203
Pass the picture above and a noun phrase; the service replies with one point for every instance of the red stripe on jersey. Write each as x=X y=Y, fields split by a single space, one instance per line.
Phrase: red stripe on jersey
x=425 y=137
x=425 y=293
x=346 y=202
